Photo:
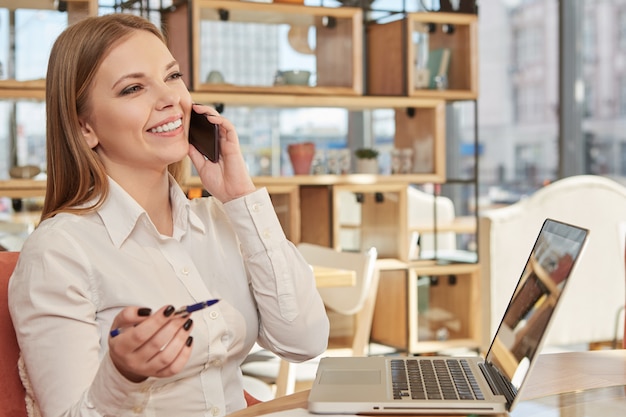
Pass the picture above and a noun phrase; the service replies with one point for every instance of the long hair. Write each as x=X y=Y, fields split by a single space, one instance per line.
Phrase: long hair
x=75 y=173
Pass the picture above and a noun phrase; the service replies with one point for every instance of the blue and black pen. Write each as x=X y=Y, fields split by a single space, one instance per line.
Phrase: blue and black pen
x=183 y=310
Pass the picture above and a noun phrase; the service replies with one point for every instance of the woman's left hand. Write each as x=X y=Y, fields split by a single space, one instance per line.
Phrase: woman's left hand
x=228 y=178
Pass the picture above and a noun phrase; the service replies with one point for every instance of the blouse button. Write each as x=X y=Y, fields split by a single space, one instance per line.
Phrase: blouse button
x=214 y=314
x=256 y=207
x=185 y=271
x=138 y=410
x=267 y=234
x=216 y=363
x=215 y=411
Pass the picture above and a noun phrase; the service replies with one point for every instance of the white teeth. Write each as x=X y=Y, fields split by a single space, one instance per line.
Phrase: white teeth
x=167 y=126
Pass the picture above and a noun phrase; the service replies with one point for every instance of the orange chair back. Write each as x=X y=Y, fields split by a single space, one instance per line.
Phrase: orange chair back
x=12 y=400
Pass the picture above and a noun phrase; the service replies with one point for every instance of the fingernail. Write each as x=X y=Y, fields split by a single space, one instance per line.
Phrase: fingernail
x=144 y=312
x=189 y=341
x=187 y=324
x=169 y=311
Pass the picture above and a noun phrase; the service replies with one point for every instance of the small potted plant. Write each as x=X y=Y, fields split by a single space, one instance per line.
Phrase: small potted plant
x=366 y=160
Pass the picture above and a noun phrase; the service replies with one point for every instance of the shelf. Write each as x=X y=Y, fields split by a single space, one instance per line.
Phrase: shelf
x=277 y=89
x=250 y=12
x=22 y=188
x=337 y=48
x=377 y=181
x=392 y=55
x=12 y=89
x=422 y=313
x=301 y=100
x=419 y=122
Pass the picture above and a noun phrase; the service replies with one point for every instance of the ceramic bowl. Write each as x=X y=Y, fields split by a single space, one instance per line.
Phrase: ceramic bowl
x=296 y=77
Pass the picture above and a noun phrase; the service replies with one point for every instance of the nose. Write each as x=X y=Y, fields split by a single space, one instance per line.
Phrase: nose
x=167 y=96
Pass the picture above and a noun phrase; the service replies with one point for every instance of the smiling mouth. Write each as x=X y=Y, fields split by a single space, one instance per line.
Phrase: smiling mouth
x=167 y=127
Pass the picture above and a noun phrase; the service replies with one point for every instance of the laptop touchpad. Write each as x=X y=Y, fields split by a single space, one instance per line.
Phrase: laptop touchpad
x=350 y=377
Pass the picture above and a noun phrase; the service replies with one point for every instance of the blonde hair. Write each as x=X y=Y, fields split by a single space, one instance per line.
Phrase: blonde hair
x=75 y=172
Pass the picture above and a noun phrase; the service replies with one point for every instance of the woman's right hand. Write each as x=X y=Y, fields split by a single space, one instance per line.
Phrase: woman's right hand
x=147 y=345
x=229 y=177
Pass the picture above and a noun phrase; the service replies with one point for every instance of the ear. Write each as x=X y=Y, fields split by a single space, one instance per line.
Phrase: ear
x=88 y=133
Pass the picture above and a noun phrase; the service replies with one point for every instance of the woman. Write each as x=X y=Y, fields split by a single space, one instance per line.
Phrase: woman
x=120 y=247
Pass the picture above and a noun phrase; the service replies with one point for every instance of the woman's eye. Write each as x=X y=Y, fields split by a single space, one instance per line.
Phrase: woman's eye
x=130 y=90
x=176 y=75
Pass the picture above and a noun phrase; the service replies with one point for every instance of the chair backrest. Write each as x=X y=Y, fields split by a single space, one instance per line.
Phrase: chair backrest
x=12 y=399
x=358 y=300
x=421 y=207
x=507 y=234
x=344 y=300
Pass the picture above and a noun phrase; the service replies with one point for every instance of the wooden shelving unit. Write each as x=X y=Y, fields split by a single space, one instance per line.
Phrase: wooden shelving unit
x=307 y=205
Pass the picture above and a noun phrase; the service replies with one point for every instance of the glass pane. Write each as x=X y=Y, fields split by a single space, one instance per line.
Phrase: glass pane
x=35 y=32
x=518 y=100
x=604 y=75
x=22 y=135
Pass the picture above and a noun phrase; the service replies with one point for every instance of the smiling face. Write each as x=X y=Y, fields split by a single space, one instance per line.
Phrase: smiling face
x=139 y=108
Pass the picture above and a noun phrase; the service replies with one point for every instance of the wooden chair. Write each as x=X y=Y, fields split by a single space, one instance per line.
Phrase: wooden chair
x=12 y=400
x=357 y=301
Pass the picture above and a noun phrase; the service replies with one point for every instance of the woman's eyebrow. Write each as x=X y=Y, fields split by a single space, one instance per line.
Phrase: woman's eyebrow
x=141 y=74
x=126 y=77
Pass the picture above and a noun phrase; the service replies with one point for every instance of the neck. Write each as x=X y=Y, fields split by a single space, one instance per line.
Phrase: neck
x=152 y=193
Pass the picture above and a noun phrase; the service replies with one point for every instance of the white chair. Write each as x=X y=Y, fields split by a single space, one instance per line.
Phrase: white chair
x=357 y=301
x=595 y=293
x=421 y=211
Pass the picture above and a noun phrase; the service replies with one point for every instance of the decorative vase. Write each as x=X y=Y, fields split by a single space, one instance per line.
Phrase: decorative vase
x=301 y=156
x=367 y=166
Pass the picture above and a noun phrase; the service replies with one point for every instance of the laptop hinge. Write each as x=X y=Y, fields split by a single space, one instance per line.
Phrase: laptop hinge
x=497 y=382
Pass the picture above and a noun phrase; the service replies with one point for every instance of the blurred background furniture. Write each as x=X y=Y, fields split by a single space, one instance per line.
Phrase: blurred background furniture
x=356 y=301
x=433 y=218
x=12 y=399
x=596 y=291
x=427 y=222
x=423 y=209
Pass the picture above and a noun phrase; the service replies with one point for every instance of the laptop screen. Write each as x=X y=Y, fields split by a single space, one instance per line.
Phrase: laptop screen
x=527 y=316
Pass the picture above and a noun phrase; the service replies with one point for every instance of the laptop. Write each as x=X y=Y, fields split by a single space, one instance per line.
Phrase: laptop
x=465 y=385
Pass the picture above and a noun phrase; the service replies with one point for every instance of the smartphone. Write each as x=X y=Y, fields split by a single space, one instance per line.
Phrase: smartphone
x=204 y=135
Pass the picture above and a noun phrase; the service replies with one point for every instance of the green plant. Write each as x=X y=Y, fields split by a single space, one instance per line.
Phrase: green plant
x=366 y=153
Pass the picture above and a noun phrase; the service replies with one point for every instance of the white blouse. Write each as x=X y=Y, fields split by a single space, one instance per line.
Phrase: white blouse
x=76 y=272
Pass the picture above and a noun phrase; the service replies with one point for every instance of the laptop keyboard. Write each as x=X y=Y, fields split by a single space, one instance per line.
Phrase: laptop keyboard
x=437 y=379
